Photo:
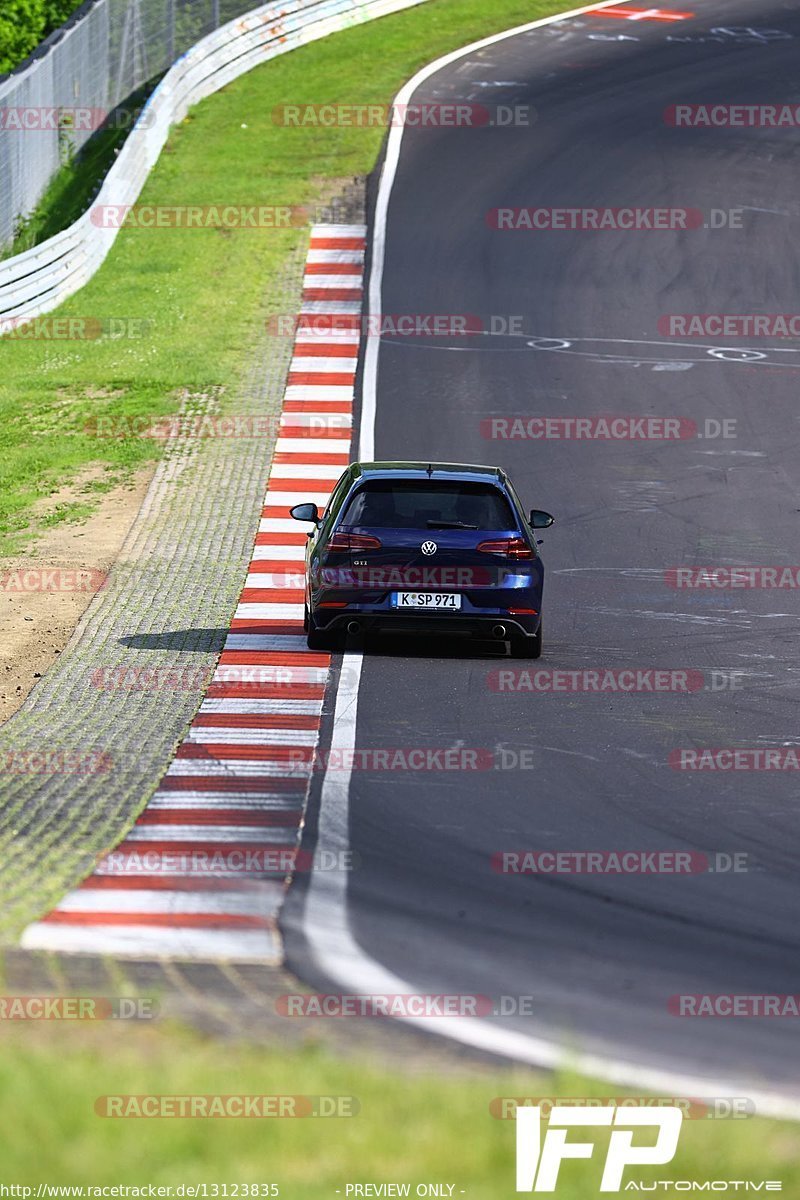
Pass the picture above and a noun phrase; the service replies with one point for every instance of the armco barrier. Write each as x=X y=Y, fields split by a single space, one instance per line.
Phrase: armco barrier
x=38 y=280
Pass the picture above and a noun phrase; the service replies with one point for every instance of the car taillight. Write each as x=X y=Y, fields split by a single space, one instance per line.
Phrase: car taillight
x=510 y=547
x=353 y=541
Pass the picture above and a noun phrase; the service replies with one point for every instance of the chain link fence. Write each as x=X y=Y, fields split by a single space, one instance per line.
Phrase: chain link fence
x=73 y=85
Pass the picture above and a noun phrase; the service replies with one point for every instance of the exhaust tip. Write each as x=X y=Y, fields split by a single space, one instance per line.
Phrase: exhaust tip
x=499 y=631
x=354 y=627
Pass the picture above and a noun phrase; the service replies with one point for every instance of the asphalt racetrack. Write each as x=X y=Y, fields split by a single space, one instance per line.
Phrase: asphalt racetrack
x=600 y=954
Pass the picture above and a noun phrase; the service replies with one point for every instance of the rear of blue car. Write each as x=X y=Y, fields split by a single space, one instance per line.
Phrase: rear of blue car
x=410 y=548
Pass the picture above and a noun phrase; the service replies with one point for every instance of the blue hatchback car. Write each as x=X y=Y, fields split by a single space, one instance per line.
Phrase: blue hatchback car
x=424 y=548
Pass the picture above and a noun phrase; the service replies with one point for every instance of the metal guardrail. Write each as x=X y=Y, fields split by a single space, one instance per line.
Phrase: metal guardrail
x=37 y=281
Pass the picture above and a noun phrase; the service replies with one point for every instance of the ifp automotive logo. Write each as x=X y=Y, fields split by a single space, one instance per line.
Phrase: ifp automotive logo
x=539 y=1160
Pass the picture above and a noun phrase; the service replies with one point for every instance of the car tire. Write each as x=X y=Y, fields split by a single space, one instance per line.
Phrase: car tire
x=527 y=647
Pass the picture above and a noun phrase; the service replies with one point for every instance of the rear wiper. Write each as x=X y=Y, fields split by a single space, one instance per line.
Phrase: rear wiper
x=449 y=525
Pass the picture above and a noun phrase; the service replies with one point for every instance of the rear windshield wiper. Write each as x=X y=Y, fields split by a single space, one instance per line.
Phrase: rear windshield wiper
x=449 y=525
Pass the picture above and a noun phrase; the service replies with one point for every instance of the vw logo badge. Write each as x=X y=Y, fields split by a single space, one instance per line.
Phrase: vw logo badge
x=429 y=547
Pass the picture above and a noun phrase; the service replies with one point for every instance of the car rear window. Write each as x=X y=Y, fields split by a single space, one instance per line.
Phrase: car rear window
x=419 y=504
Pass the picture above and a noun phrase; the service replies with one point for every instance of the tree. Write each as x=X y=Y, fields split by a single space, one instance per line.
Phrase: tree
x=25 y=23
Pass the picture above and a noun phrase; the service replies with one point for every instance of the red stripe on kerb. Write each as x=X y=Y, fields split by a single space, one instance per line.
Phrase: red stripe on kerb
x=272 y=596
x=278 y=512
x=282 y=539
x=316 y=322
x=332 y=406
x=325 y=350
x=289 y=658
x=224 y=751
x=308 y=433
x=176 y=920
x=265 y=691
x=221 y=816
x=210 y=847
x=337 y=243
x=166 y=882
x=264 y=625
x=260 y=566
x=256 y=721
x=282 y=784
x=281 y=566
x=321 y=378
x=317 y=459
x=170 y=883
x=332 y=293
x=332 y=268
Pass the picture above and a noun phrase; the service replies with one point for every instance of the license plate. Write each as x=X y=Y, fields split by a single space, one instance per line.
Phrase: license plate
x=449 y=600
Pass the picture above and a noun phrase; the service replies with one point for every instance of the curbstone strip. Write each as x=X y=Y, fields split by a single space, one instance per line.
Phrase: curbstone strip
x=164 y=610
x=204 y=870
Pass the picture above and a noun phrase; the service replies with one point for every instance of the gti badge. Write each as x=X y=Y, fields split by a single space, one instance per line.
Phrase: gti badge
x=429 y=547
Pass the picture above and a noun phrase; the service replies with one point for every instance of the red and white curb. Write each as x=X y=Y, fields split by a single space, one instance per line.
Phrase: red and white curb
x=204 y=870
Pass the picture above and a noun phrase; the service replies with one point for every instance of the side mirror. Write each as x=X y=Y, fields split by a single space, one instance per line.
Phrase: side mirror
x=305 y=512
x=540 y=519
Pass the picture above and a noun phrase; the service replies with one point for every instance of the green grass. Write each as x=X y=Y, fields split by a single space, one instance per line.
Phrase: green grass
x=419 y=1127
x=205 y=292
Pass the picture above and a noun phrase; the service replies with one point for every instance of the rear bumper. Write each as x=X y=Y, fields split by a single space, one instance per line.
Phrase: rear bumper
x=389 y=620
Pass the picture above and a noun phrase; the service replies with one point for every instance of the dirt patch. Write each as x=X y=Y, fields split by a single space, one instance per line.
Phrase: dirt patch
x=45 y=591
